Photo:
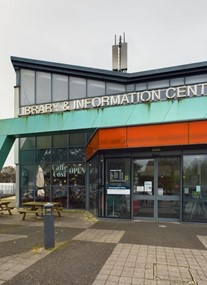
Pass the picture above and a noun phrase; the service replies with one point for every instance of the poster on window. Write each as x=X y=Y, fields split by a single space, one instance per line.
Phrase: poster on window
x=116 y=175
x=148 y=186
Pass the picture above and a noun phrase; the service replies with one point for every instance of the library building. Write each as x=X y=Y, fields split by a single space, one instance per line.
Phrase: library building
x=121 y=145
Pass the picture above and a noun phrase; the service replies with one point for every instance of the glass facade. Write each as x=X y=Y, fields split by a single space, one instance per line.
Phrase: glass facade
x=43 y=87
x=62 y=158
x=149 y=188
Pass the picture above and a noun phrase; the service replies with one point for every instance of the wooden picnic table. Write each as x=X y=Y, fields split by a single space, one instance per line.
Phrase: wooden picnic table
x=4 y=206
x=37 y=208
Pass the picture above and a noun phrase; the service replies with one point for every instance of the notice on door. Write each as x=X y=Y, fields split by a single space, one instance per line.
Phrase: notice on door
x=118 y=190
x=148 y=186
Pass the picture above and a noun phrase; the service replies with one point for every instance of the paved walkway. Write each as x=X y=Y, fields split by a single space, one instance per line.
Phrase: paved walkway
x=106 y=252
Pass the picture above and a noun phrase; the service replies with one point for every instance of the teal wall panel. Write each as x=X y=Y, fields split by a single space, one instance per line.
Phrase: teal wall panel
x=146 y=113
x=6 y=144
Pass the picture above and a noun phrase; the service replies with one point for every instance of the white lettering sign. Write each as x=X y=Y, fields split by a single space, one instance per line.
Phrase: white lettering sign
x=171 y=93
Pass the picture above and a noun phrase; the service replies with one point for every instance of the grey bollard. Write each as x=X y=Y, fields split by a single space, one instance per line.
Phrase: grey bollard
x=49 y=231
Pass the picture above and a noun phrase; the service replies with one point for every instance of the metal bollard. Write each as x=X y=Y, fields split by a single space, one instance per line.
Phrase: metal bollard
x=49 y=231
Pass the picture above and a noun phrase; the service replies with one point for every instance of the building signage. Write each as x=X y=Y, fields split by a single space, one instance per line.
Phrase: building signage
x=171 y=93
x=60 y=170
x=116 y=175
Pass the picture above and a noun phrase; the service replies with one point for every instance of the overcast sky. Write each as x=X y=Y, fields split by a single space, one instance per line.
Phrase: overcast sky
x=159 y=33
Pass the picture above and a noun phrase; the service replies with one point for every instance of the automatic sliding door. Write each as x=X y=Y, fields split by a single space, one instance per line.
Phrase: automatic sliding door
x=156 y=188
x=143 y=192
x=168 y=190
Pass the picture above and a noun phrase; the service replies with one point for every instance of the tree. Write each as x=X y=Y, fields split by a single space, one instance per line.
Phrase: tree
x=8 y=175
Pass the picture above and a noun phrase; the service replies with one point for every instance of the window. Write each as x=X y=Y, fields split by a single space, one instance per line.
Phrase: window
x=27 y=94
x=77 y=88
x=141 y=86
x=59 y=87
x=114 y=88
x=158 y=84
x=196 y=79
x=43 y=87
x=177 y=81
x=130 y=88
x=27 y=143
x=194 y=188
x=60 y=140
x=43 y=142
x=77 y=139
x=96 y=88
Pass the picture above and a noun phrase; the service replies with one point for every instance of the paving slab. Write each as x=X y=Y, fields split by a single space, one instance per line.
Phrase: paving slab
x=91 y=251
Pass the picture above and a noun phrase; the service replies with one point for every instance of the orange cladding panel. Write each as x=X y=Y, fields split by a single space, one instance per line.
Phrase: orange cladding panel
x=112 y=138
x=157 y=135
x=198 y=132
x=149 y=136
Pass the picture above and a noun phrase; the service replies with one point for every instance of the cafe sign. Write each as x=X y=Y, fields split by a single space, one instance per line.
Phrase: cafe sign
x=138 y=97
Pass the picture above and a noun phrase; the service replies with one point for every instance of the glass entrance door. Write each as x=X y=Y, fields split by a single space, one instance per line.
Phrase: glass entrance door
x=117 y=203
x=156 y=188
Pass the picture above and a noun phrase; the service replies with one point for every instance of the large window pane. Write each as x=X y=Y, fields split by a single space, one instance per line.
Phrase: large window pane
x=169 y=209
x=77 y=88
x=76 y=185
x=59 y=87
x=141 y=86
x=177 y=81
x=158 y=84
x=27 y=143
x=94 y=188
x=143 y=183
x=43 y=87
x=196 y=79
x=77 y=139
x=96 y=88
x=42 y=156
x=143 y=177
x=60 y=141
x=169 y=176
x=195 y=188
x=114 y=88
x=43 y=142
x=27 y=94
x=27 y=156
x=77 y=154
x=60 y=183
x=59 y=154
x=27 y=187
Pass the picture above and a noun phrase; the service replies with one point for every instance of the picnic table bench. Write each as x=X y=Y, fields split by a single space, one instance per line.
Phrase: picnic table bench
x=4 y=206
x=37 y=208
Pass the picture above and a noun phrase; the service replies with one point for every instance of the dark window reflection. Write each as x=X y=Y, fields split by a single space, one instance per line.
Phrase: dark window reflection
x=76 y=185
x=42 y=156
x=59 y=154
x=77 y=154
x=27 y=156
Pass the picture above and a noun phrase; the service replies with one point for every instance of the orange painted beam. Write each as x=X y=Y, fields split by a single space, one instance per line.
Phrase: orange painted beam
x=157 y=135
x=198 y=132
x=169 y=134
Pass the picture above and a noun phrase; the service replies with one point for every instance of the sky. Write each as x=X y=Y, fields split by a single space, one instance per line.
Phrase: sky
x=159 y=33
